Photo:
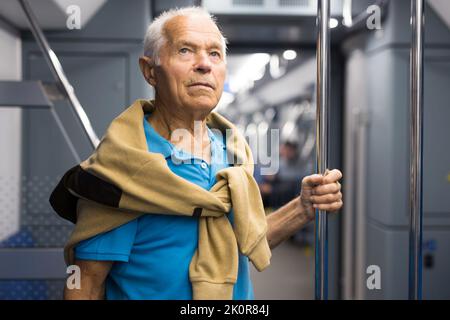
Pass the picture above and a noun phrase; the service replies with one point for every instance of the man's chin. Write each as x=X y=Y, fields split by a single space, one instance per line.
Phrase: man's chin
x=202 y=103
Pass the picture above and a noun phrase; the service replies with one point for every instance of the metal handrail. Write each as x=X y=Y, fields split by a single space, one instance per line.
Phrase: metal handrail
x=416 y=155
x=322 y=87
x=58 y=73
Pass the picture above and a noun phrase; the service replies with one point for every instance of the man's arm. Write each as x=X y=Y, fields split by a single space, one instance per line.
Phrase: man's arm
x=286 y=221
x=92 y=282
x=318 y=192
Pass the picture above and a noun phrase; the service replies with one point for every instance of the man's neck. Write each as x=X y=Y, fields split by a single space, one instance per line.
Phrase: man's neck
x=166 y=121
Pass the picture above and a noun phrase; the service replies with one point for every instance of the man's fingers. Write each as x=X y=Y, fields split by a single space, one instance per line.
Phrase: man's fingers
x=326 y=199
x=316 y=179
x=327 y=188
x=333 y=176
x=312 y=180
x=335 y=206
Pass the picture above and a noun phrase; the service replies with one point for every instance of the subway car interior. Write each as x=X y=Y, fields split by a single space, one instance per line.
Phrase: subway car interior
x=380 y=72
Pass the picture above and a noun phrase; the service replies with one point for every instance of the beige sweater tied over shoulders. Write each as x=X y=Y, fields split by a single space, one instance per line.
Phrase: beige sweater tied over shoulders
x=122 y=180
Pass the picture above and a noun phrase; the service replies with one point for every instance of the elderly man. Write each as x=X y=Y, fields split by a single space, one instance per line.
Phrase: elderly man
x=149 y=257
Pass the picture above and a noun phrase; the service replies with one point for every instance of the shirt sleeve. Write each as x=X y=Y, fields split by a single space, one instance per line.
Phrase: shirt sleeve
x=114 y=245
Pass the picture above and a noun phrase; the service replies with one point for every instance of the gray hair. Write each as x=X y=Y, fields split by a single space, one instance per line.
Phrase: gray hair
x=155 y=38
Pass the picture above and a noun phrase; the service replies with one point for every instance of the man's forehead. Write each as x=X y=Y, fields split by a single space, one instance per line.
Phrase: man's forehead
x=181 y=28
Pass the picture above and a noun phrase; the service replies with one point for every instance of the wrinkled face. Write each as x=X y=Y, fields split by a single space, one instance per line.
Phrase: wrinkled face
x=192 y=69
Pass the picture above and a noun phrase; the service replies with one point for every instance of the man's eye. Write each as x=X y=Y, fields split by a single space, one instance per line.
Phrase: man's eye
x=184 y=50
x=215 y=53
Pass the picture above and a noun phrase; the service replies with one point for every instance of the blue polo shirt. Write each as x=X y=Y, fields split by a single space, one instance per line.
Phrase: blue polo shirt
x=152 y=253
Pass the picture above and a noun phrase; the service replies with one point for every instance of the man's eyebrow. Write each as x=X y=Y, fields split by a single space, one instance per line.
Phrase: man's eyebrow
x=186 y=43
x=215 y=45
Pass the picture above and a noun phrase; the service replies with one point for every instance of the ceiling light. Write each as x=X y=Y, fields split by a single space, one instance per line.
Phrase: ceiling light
x=289 y=54
x=333 y=23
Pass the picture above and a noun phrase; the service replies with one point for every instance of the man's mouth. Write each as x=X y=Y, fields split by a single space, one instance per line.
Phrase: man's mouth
x=202 y=84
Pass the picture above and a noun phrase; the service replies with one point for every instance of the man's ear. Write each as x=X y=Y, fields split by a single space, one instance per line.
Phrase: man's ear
x=147 y=66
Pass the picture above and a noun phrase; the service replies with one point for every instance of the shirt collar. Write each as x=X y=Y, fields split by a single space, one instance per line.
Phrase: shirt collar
x=157 y=144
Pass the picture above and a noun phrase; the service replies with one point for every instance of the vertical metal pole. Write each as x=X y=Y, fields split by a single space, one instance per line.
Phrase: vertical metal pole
x=322 y=94
x=416 y=153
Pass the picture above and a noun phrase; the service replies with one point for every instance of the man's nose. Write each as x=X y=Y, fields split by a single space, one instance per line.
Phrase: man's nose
x=203 y=63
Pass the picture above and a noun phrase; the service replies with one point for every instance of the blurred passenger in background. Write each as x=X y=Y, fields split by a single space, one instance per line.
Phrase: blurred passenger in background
x=278 y=189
